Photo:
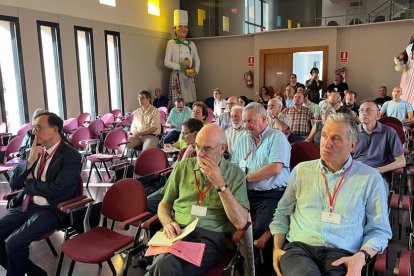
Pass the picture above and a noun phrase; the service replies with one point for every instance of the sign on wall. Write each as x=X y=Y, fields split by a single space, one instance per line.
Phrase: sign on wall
x=250 y=61
x=343 y=56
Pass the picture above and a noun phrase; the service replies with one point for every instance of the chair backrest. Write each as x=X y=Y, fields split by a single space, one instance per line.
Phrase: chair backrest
x=210 y=117
x=108 y=118
x=390 y=120
x=130 y=117
x=114 y=138
x=150 y=161
x=95 y=127
x=163 y=117
x=13 y=145
x=70 y=124
x=124 y=123
x=303 y=151
x=398 y=129
x=83 y=118
x=163 y=109
x=82 y=133
x=3 y=127
x=125 y=199
x=117 y=113
x=24 y=129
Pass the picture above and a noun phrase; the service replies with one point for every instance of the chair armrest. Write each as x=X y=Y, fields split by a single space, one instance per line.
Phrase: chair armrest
x=264 y=238
x=11 y=195
x=70 y=201
x=147 y=224
x=238 y=235
x=124 y=143
x=70 y=207
x=89 y=141
x=133 y=221
x=117 y=166
x=164 y=172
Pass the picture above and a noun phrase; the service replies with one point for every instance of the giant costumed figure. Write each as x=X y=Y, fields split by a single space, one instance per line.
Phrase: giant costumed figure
x=404 y=63
x=182 y=57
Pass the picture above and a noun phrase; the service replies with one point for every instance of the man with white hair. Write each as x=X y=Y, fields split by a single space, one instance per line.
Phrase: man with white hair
x=236 y=130
x=264 y=155
x=224 y=120
x=275 y=118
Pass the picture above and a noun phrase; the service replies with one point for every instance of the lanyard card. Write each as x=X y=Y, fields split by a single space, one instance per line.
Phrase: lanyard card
x=198 y=211
x=332 y=218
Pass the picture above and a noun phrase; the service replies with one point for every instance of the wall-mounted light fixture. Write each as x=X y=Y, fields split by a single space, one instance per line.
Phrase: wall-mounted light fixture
x=108 y=2
x=154 y=7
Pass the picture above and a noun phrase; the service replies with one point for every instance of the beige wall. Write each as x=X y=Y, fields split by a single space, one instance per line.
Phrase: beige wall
x=371 y=51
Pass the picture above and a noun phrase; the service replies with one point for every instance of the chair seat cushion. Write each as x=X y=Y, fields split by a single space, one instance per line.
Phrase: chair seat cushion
x=95 y=246
x=102 y=157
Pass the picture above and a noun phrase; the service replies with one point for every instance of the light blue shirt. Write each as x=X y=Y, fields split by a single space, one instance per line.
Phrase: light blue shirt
x=397 y=109
x=289 y=103
x=361 y=203
x=177 y=118
x=273 y=148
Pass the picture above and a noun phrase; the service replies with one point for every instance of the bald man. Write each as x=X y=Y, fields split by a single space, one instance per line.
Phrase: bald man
x=398 y=108
x=224 y=120
x=206 y=187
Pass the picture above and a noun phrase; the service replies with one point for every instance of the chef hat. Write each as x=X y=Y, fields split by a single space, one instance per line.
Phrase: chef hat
x=180 y=18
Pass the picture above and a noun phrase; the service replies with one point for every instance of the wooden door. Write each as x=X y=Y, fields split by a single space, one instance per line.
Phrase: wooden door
x=277 y=70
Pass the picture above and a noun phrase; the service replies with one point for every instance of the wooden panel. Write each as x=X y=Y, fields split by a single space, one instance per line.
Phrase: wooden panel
x=277 y=69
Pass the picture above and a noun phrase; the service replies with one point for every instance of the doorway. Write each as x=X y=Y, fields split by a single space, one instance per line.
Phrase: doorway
x=276 y=65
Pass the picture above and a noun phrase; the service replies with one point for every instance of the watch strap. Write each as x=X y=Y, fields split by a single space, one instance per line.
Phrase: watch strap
x=367 y=256
x=222 y=188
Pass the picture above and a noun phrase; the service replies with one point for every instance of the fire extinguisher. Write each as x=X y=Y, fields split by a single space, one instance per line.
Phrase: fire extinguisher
x=248 y=78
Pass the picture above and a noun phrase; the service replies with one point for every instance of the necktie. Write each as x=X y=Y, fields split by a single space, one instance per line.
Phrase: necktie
x=28 y=198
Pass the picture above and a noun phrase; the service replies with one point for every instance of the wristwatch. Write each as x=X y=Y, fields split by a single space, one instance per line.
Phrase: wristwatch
x=367 y=256
x=222 y=188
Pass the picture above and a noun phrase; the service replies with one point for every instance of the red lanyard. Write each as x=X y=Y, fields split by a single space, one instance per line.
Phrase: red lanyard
x=43 y=161
x=201 y=195
x=251 y=149
x=338 y=186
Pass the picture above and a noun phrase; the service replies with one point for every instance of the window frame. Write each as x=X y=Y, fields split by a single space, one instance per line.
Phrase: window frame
x=116 y=34
x=16 y=25
x=41 y=23
x=95 y=98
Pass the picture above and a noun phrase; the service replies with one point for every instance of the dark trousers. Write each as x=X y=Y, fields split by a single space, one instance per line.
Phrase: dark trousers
x=172 y=137
x=168 y=264
x=153 y=200
x=263 y=204
x=303 y=259
x=17 y=230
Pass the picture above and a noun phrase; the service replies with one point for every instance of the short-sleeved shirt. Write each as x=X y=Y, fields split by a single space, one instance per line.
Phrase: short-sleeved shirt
x=177 y=118
x=378 y=148
x=397 y=109
x=146 y=119
x=181 y=192
x=340 y=88
x=301 y=120
x=273 y=148
x=218 y=106
x=162 y=101
x=381 y=101
x=316 y=110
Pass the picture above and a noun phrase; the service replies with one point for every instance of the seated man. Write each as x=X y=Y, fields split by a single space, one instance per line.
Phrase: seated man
x=207 y=187
x=146 y=125
x=400 y=109
x=378 y=145
x=224 y=119
x=48 y=177
x=264 y=155
x=276 y=118
x=178 y=115
x=334 y=99
x=236 y=130
x=382 y=90
x=334 y=211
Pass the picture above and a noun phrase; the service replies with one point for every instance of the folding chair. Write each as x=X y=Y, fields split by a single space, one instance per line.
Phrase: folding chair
x=109 y=120
x=124 y=202
x=69 y=126
x=84 y=119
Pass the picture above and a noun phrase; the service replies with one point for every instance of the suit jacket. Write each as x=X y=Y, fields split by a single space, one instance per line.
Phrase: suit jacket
x=62 y=179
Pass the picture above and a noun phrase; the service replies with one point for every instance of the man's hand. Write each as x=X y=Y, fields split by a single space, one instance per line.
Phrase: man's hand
x=277 y=254
x=35 y=153
x=354 y=263
x=212 y=170
x=171 y=230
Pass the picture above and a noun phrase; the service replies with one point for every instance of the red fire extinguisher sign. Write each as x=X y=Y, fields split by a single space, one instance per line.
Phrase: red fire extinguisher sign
x=250 y=61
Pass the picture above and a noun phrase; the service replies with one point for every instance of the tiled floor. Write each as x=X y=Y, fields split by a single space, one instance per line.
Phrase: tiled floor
x=41 y=254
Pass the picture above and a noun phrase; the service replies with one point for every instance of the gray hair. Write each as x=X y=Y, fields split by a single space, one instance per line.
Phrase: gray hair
x=277 y=101
x=346 y=119
x=38 y=111
x=327 y=108
x=338 y=98
x=257 y=107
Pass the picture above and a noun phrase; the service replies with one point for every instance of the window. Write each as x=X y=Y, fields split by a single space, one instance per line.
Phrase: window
x=256 y=17
x=12 y=85
x=51 y=61
x=86 y=70
x=113 y=59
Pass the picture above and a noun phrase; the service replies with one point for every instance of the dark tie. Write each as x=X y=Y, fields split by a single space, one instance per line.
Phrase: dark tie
x=28 y=198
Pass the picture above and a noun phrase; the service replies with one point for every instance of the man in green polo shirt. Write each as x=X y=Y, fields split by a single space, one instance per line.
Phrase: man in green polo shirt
x=207 y=187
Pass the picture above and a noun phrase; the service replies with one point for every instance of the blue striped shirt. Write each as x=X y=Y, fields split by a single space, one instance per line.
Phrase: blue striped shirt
x=361 y=203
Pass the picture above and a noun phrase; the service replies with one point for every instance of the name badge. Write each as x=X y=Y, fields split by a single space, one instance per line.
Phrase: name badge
x=198 y=211
x=332 y=218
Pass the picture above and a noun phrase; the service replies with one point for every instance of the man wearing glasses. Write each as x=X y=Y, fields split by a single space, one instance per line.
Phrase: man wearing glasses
x=378 y=145
x=48 y=177
x=146 y=125
x=264 y=155
x=206 y=187
x=178 y=115
x=224 y=120
x=334 y=99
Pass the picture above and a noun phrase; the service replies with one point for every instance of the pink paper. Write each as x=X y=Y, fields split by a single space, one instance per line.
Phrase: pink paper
x=191 y=252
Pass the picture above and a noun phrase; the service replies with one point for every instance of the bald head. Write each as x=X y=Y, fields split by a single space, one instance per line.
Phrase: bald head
x=232 y=101
x=210 y=143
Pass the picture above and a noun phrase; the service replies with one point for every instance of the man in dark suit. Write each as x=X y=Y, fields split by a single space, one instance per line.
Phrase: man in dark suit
x=49 y=176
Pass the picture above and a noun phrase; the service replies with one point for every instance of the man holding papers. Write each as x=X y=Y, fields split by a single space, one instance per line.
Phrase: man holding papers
x=206 y=187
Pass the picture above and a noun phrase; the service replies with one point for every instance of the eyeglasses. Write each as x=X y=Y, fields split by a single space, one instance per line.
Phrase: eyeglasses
x=186 y=133
x=39 y=128
x=335 y=103
x=206 y=150
x=367 y=110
